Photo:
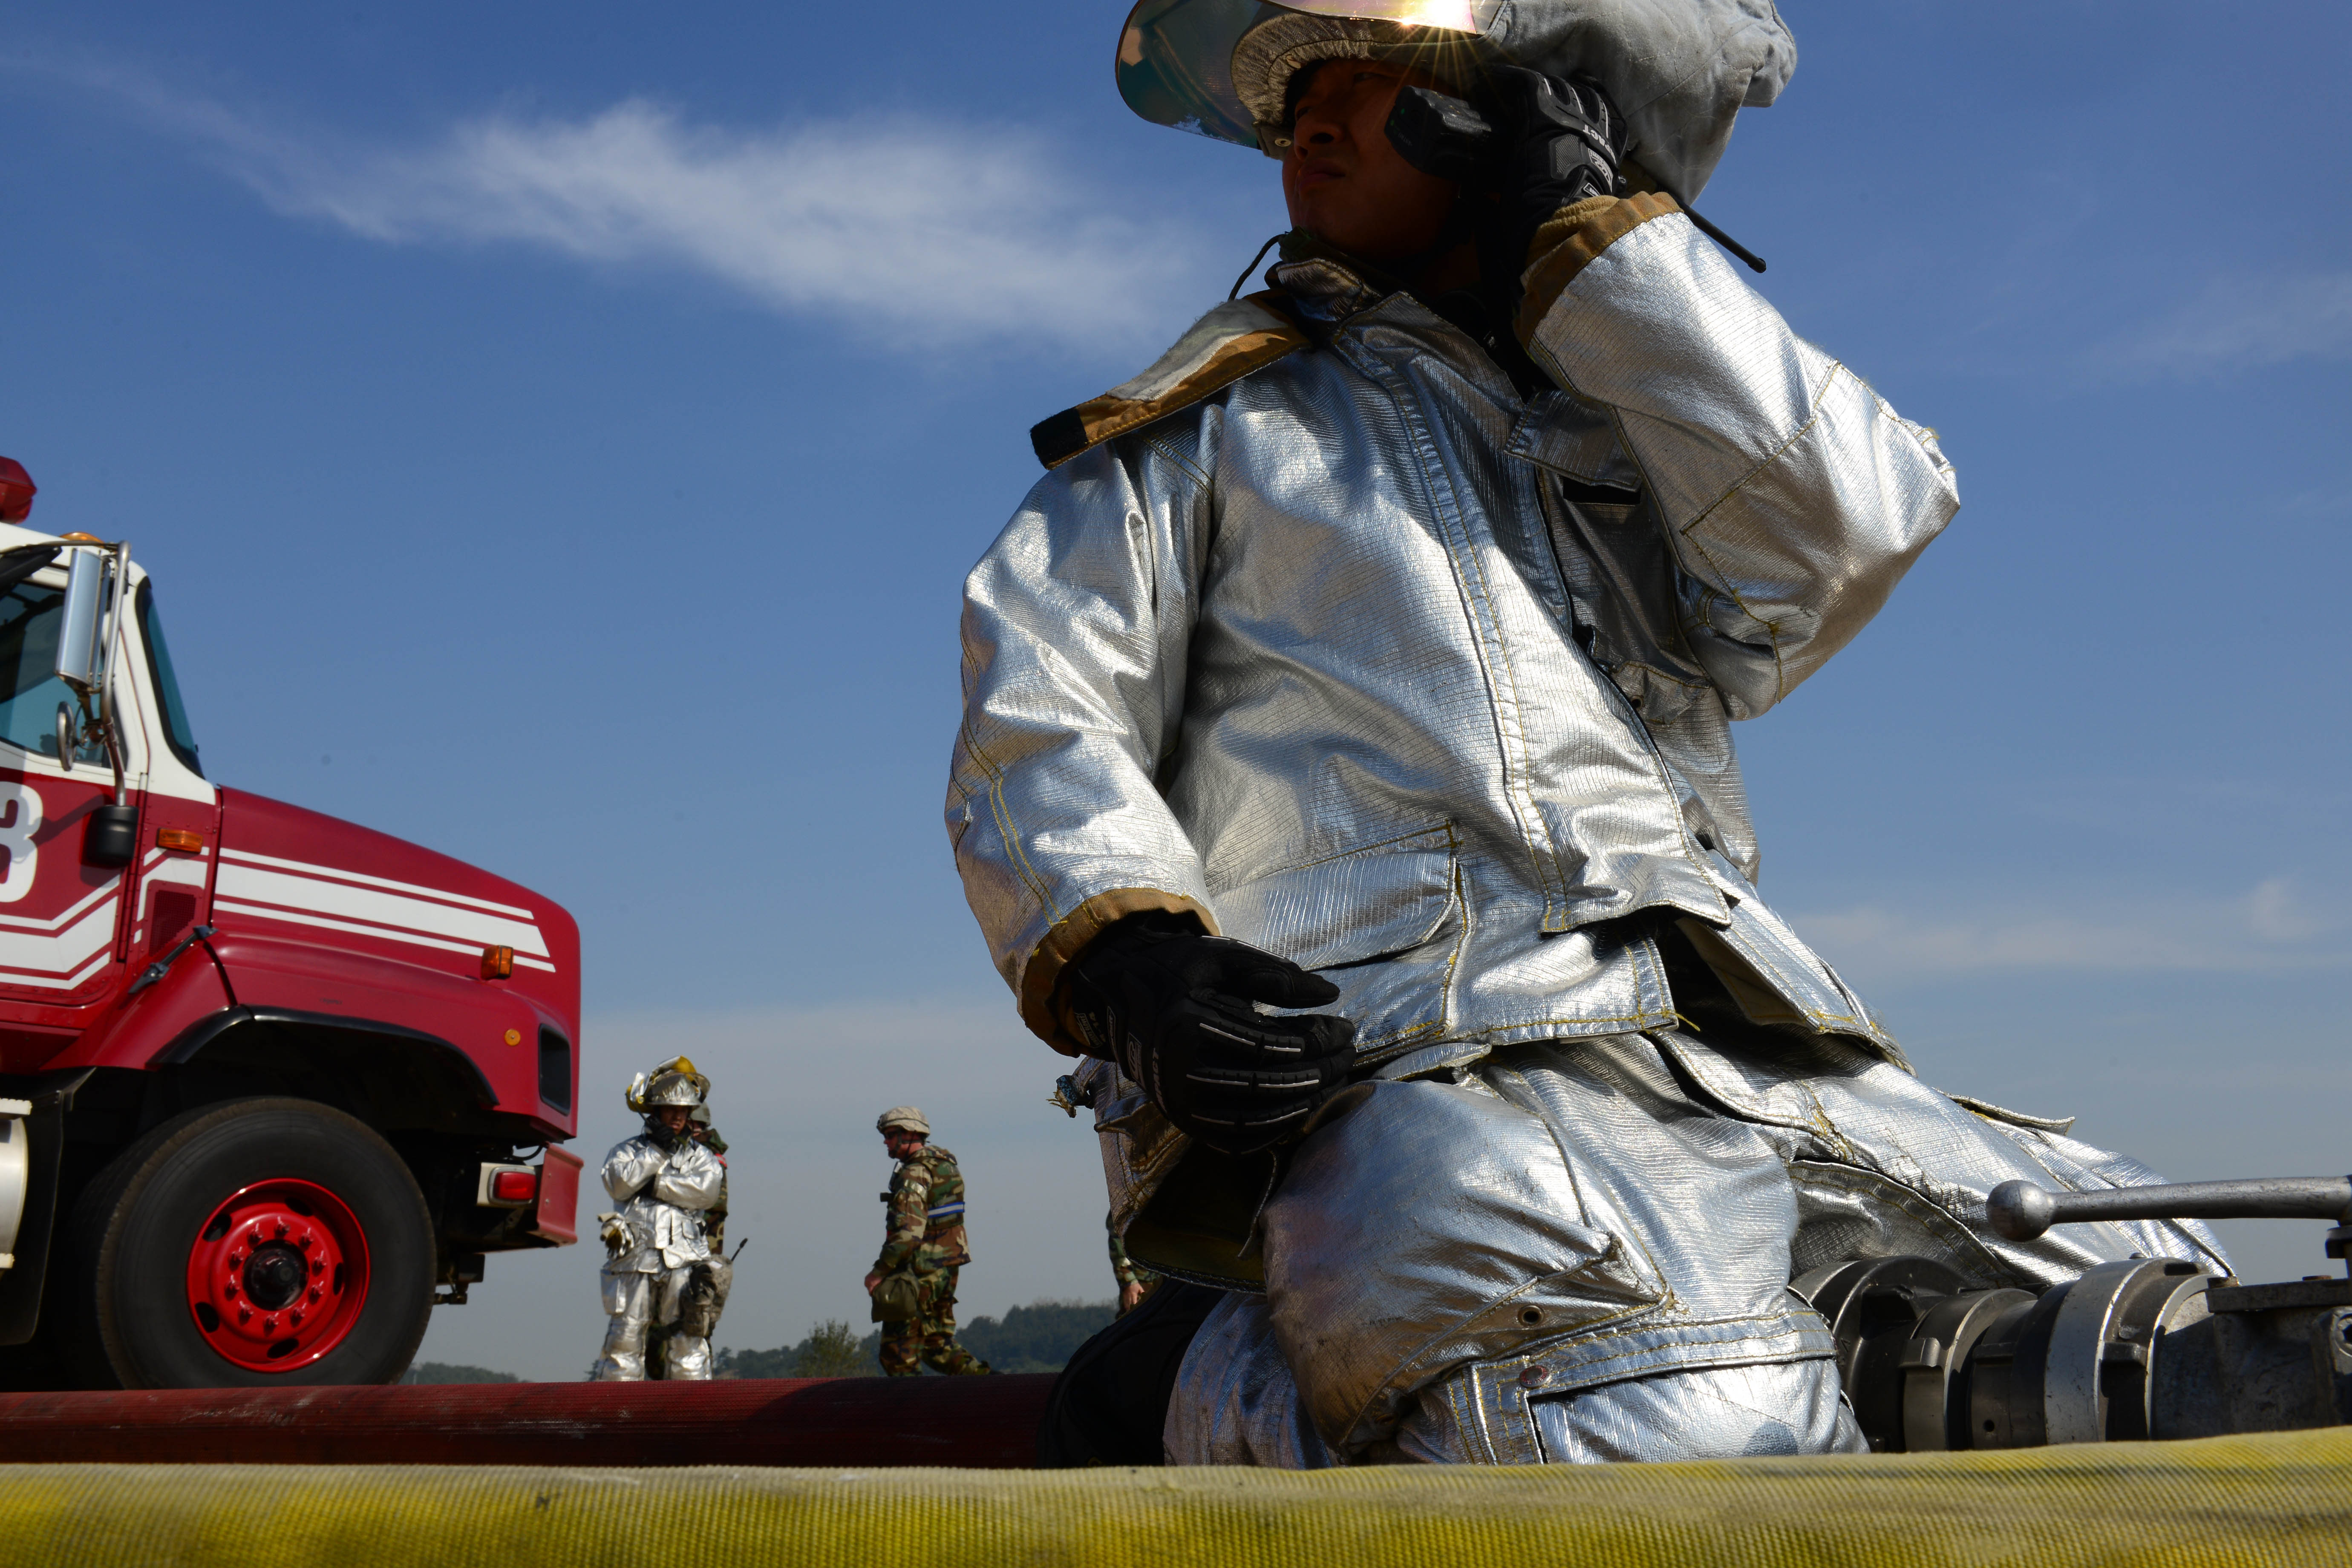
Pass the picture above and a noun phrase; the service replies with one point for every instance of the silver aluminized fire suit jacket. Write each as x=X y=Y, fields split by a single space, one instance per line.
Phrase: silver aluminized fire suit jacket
x=663 y=1194
x=1328 y=637
x=663 y=1191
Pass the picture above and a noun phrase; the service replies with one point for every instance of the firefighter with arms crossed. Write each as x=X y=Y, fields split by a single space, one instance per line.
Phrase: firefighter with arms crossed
x=1347 y=767
x=659 y=1268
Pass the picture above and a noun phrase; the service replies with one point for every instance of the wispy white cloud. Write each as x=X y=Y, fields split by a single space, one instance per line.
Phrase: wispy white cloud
x=2244 y=323
x=925 y=233
x=2274 y=926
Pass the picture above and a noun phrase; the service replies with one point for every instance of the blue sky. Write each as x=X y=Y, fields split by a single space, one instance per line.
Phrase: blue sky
x=559 y=434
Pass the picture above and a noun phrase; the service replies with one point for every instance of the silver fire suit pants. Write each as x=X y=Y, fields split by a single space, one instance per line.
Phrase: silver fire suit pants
x=635 y=1300
x=1580 y=1250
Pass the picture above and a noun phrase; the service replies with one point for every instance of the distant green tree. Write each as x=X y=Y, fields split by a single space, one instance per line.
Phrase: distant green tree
x=1039 y=1336
x=451 y=1371
x=778 y=1363
x=831 y=1350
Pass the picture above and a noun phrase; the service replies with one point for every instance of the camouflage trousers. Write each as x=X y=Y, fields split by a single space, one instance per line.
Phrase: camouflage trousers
x=928 y=1338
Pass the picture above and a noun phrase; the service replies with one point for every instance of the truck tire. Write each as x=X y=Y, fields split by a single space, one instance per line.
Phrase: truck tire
x=252 y=1244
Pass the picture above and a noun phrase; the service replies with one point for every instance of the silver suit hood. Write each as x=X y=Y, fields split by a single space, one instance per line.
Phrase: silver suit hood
x=1680 y=69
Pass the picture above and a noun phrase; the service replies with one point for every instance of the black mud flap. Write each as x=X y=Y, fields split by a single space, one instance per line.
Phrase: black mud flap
x=20 y=1286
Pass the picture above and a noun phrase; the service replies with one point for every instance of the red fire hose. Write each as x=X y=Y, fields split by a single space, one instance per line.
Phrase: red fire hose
x=978 y=1423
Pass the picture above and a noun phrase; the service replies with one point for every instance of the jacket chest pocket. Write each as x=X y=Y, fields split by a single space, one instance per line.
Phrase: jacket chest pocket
x=1347 y=908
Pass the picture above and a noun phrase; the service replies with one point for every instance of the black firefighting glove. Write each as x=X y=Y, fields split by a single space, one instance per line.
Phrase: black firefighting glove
x=1174 y=1009
x=1561 y=141
x=1531 y=145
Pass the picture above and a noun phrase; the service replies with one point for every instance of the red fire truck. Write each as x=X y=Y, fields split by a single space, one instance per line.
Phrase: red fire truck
x=271 y=1084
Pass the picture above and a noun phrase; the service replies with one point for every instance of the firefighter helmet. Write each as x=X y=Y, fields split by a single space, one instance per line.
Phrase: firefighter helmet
x=675 y=1082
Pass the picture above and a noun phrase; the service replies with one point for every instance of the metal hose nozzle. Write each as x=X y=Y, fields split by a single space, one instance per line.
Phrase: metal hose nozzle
x=2021 y=1211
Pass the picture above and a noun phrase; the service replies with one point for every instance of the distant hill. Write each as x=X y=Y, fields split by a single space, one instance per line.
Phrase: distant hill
x=1039 y=1336
x=451 y=1371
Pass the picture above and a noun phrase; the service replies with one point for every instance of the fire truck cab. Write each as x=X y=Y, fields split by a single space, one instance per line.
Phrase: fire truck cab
x=271 y=1084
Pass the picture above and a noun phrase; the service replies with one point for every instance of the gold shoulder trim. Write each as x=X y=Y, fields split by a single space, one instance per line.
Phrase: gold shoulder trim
x=1236 y=337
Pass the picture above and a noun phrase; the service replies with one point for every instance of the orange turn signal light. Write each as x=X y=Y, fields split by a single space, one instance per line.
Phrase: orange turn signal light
x=498 y=962
x=180 y=839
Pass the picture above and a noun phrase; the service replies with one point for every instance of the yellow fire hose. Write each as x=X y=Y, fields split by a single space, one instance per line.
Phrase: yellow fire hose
x=2282 y=1499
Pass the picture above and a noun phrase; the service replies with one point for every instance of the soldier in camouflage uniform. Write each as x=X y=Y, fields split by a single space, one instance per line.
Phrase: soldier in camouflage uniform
x=1135 y=1281
x=924 y=1234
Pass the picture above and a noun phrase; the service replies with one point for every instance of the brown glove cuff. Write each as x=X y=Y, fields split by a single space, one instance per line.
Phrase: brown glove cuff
x=1042 y=1007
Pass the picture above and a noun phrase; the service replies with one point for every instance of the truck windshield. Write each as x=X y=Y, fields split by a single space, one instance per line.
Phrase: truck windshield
x=167 y=684
x=29 y=688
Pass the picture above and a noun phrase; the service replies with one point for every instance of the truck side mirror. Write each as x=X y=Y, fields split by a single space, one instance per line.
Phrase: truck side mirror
x=95 y=578
x=112 y=836
x=81 y=662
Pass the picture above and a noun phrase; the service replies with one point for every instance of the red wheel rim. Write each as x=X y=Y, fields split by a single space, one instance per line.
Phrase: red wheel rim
x=277 y=1275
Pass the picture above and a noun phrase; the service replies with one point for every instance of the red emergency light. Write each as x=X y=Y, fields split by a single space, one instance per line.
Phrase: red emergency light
x=514 y=1187
x=17 y=490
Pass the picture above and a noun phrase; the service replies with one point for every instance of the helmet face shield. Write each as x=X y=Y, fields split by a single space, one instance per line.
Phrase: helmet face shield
x=1176 y=56
x=672 y=1089
x=674 y=1083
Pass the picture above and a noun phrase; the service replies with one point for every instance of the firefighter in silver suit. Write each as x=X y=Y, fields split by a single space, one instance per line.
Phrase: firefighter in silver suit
x=660 y=1267
x=1347 y=768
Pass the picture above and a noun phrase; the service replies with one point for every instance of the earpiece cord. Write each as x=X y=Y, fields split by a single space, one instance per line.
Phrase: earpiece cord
x=1234 y=292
